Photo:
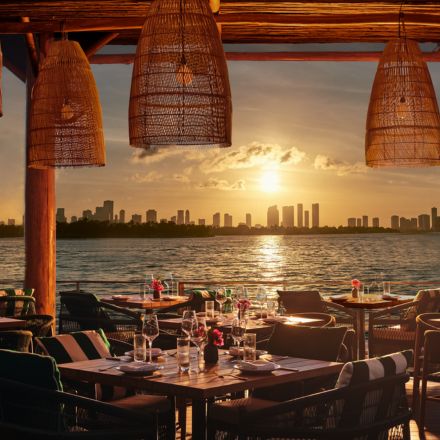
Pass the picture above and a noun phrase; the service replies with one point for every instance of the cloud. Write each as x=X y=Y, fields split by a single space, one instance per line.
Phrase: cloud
x=181 y=178
x=152 y=176
x=252 y=155
x=222 y=185
x=325 y=163
x=153 y=155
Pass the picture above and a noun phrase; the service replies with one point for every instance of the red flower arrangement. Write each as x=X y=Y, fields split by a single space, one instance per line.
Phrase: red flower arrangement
x=200 y=332
x=356 y=283
x=215 y=337
x=157 y=287
x=243 y=304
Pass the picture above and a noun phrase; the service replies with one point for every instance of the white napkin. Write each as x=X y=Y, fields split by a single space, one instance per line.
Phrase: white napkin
x=258 y=365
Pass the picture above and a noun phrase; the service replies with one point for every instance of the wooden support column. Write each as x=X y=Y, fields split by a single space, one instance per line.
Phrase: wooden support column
x=40 y=226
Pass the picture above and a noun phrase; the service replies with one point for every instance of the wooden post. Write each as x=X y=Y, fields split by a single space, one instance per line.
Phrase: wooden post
x=40 y=226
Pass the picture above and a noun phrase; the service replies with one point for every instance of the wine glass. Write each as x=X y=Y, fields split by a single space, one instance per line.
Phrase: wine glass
x=238 y=329
x=188 y=319
x=198 y=337
x=150 y=331
x=221 y=298
x=261 y=298
x=170 y=283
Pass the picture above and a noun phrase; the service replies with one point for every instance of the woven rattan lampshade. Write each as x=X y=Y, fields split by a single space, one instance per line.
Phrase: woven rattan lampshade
x=180 y=93
x=403 y=123
x=66 y=118
x=1 y=68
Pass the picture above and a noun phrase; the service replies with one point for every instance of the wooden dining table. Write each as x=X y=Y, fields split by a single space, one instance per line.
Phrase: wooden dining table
x=217 y=380
x=147 y=304
x=11 y=323
x=362 y=306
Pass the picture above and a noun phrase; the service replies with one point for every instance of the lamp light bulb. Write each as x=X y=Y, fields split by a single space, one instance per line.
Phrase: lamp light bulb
x=67 y=112
x=402 y=108
x=184 y=74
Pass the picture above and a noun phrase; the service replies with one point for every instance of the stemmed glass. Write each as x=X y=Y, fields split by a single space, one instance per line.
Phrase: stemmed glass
x=188 y=319
x=150 y=331
x=198 y=337
x=238 y=329
x=261 y=298
x=170 y=283
x=221 y=298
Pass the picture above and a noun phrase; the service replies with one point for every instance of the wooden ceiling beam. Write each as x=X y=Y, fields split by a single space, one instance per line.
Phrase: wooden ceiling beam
x=32 y=48
x=127 y=58
x=98 y=44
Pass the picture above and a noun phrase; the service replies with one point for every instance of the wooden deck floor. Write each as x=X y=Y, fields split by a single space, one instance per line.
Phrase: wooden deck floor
x=432 y=431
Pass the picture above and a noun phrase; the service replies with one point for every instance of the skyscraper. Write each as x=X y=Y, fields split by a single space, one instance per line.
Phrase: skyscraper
x=180 y=217
x=358 y=222
x=395 y=222
x=288 y=216
x=151 y=216
x=424 y=222
x=273 y=216
x=60 y=217
x=108 y=209
x=306 y=219
x=216 y=220
x=375 y=222
x=365 y=221
x=136 y=219
x=434 y=218
x=100 y=214
x=187 y=220
x=201 y=222
x=248 y=220
x=228 y=220
x=122 y=216
x=351 y=222
x=299 y=212
x=315 y=215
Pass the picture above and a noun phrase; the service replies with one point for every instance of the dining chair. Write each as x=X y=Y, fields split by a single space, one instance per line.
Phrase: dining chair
x=426 y=362
x=367 y=402
x=34 y=406
x=39 y=325
x=394 y=328
x=16 y=306
x=17 y=340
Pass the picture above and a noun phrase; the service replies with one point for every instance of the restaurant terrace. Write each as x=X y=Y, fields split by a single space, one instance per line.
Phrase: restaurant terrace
x=73 y=365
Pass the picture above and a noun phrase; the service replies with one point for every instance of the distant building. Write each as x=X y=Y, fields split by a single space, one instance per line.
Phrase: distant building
x=216 y=220
x=273 y=216
x=375 y=222
x=87 y=214
x=60 y=216
x=180 y=217
x=108 y=209
x=11 y=221
x=315 y=215
x=201 y=222
x=358 y=222
x=151 y=216
x=306 y=219
x=351 y=222
x=187 y=219
x=228 y=221
x=136 y=219
x=173 y=219
x=395 y=222
x=192 y=222
x=248 y=220
x=122 y=216
x=365 y=221
x=406 y=224
x=288 y=216
x=299 y=213
x=434 y=219
x=100 y=214
x=424 y=222
x=116 y=220
x=73 y=219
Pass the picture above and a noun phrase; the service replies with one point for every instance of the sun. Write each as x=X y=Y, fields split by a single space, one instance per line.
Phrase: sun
x=270 y=181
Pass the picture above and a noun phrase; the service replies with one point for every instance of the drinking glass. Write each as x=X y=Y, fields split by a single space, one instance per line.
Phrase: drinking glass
x=386 y=287
x=271 y=307
x=361 y=290
x=182 y=354
x=140 y=350
x=144 y=290
x=237 y=293
x=198 y=337
x=250 y=347
x=170 y=283
x=261 y=298
x=150 y=330
x=209 y=309
x=238 y=329
x=189 y=319
x=220 y=297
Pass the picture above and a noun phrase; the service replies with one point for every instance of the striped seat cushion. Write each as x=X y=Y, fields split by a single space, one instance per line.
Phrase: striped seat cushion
x=16 y=292
x=82 y=346
x=358 y=372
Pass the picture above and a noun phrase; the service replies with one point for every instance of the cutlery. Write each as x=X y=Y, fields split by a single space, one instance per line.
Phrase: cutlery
x=107 y=368
x=289 y=369
x=235 y=376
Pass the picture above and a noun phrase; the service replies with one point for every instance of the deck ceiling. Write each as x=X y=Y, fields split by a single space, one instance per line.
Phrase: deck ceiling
x=256 y=21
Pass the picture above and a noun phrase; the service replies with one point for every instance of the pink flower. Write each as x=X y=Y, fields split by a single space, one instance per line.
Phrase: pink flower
x=156 y=285
x=243 y=304
x=201 y=331
x=356 y=283
x=216 y=337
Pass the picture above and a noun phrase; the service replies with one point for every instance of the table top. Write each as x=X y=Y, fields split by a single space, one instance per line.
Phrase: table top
x=136 y=302
x=11 y=323
x=370 y=301
x=214 y=381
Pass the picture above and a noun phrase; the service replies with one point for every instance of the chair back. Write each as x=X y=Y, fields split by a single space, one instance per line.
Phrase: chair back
x=301 y=301
x=16 y=305
x=322 y=343
x=17 y=340
x=39 y=325
x=428 y=302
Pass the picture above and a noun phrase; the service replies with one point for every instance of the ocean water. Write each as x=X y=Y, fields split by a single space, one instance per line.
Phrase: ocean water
x=326 y=262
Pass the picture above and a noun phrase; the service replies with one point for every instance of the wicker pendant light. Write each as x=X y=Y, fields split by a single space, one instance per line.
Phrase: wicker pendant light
x=66 y=118
x=180 y=93
x=403 y=123
x=1 y=68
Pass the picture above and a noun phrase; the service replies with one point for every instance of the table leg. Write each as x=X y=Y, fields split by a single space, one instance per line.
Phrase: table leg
x=198 y=419
x=361 y=332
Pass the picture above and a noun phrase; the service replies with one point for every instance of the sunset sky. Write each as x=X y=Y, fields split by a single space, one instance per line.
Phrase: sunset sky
x=298 y=131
